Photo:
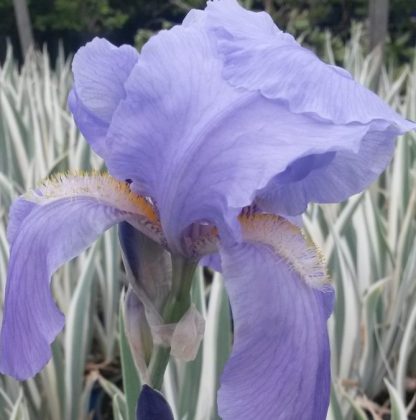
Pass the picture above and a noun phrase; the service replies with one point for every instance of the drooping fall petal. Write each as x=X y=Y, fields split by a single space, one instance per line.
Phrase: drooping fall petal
x=49 y=226
x=279 y=366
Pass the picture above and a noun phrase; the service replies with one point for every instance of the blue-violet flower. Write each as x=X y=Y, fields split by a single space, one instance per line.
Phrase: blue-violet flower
x=215 y=135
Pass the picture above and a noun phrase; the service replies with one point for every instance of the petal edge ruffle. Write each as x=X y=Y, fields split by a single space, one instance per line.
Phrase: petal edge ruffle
x=258 y=56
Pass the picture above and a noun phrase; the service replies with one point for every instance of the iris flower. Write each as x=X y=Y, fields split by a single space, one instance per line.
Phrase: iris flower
x=215 y=135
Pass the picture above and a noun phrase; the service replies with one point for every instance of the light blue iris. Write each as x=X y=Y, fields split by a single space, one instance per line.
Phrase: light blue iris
x=220 y=113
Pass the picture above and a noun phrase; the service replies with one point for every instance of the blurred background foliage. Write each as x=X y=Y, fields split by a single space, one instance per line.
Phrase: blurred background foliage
x=132 y=21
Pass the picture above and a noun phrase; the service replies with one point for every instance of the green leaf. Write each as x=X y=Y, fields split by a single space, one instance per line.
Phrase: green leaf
x=398 y=410
x=131 y=380
x=77 y=338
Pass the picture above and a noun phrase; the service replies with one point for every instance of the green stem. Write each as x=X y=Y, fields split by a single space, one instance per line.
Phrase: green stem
x=177 y=303
x=157 y=366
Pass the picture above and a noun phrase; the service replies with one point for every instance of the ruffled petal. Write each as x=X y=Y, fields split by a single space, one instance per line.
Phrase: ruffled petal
x=280 y=365
x=199 y=147
x=258 y=56
x=100 y=70
x=204 y=134
x=48 y=227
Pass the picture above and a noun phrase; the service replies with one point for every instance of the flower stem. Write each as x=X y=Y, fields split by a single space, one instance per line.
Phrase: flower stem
x=158 y=364
x=177 y=303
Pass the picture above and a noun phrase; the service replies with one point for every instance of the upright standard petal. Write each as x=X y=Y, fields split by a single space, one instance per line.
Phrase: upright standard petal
x=258 y=56
x=48 y=227
x=279 y=366
x=329 y=177
x=100 y=70
x=199 y=147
